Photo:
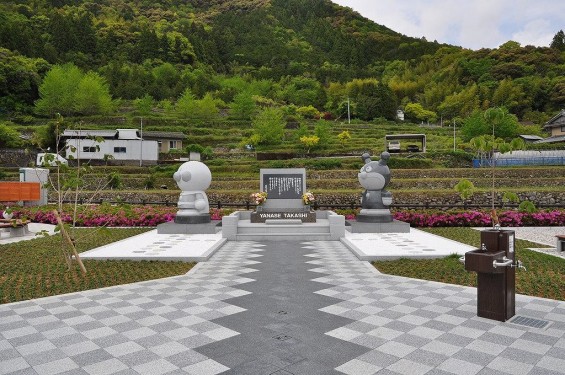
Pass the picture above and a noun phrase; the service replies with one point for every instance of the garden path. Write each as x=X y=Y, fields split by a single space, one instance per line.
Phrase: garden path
x=278 y=308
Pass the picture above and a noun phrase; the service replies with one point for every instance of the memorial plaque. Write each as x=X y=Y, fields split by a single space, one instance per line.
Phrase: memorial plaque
x=284 y=187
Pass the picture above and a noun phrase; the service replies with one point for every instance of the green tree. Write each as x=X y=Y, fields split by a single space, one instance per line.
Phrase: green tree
x=9 y=137
x=415 y=111
x=20 y=78
x=322 y=130
x=144 y=105
x=558 y=41
x=268 y=126
x=301 y=131
x=510 y=95
x=309 y=142
x=185 y=105
x=243 y=105
x=371 y=99
x=206 y=108
x=481 y=123
x=165 y=81
x=460 y=104
x=308 y=112
x=465 y=188
x=303 y=91
x=344 y=138
x=58 y=89
x=92 y=96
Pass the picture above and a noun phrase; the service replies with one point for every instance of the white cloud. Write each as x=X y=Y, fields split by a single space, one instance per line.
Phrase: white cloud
x=469 y=23
x=535 y=33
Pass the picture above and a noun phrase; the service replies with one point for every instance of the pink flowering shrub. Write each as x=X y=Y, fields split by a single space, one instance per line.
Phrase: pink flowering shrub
x=104 y=215
x=480 y=218
x=151 y=216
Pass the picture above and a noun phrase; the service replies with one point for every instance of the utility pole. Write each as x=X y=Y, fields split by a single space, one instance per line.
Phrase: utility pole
x=453 y=135
x=141 y=145
x=348 y=112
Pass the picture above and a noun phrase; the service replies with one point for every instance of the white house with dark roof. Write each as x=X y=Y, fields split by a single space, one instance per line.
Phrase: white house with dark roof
x=125 y=146
x=167 y=141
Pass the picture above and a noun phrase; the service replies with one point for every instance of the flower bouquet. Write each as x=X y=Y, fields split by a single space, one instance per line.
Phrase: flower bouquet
x=308 y=198
x=259 y=198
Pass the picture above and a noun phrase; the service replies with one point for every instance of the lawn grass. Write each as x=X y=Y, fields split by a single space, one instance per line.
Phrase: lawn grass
x=36 y=268
x=545 y=275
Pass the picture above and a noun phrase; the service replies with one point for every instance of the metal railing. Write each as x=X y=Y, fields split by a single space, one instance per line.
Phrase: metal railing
x=316 y=206
x=515 y=162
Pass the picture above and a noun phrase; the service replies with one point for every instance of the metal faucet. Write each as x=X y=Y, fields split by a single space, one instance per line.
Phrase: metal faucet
x=505 y=262
x=519 y=265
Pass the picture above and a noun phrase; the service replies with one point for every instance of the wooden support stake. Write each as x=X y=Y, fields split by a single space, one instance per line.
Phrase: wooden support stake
x=69 y=240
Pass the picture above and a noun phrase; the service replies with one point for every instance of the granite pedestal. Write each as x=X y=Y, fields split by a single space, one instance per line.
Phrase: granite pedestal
x=392 y=227
x=211 y=227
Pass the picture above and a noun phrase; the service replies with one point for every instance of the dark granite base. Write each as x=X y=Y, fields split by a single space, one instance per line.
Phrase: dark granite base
x=176 y=228
x=393 y=227
x=193 y=219
x=363 y=218
x=304 y=216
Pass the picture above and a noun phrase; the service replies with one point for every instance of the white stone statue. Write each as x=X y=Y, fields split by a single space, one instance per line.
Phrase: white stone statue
x=193 y=178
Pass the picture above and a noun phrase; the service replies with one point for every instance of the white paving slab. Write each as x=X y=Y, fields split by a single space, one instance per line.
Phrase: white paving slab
x=35 y=230
x=388 y=246
x=153 y=246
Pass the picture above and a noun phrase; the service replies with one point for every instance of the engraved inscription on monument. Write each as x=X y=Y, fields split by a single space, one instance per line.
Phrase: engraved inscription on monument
x=283 y=186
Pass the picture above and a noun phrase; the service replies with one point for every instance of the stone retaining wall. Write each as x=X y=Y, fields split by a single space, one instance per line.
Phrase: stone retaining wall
x=16 y=158
x=446 y=200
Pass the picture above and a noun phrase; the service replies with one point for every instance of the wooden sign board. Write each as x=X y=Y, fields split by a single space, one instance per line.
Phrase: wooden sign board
x=20 y=191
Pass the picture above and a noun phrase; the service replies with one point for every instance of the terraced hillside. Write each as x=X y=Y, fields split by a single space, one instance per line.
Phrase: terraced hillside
x=234 y=180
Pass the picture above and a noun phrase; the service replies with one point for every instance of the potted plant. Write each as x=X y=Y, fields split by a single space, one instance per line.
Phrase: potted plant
x=8 y=213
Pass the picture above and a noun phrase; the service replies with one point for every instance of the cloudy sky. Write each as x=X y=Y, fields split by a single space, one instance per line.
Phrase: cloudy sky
x=471 y=24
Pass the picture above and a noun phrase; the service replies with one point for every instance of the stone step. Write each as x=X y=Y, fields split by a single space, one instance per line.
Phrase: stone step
x=320 y=227
x=328 y=227
x=283 y=237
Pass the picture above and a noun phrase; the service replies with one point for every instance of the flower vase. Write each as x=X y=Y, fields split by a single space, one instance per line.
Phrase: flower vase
x=7 y=216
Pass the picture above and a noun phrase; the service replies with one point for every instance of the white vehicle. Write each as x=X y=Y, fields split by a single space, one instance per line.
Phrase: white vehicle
x=393 y=146
x=49 y=160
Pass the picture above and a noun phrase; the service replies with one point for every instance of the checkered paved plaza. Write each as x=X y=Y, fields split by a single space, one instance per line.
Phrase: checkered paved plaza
x=278 y=308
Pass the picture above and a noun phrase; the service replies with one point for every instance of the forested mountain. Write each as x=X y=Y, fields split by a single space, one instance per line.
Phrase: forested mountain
x=297 y=52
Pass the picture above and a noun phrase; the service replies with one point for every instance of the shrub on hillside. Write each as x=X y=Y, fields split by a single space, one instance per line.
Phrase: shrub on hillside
x=323 y=164
x=410 y=163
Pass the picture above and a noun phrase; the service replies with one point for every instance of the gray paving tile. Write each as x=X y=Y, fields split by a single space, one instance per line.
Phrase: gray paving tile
x=461 y=367
x=474 y=356
x=107 y=367
x=206 y=367
x=285 y=312
x=510 y=366
x=92 y=357
x=56 y=367
x=14 y=364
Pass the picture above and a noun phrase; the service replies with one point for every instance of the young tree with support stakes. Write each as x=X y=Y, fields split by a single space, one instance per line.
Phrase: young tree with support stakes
x=495 y=117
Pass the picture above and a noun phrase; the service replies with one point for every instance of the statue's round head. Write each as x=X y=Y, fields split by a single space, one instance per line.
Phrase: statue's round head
x=375 y=175
x=192 y=176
